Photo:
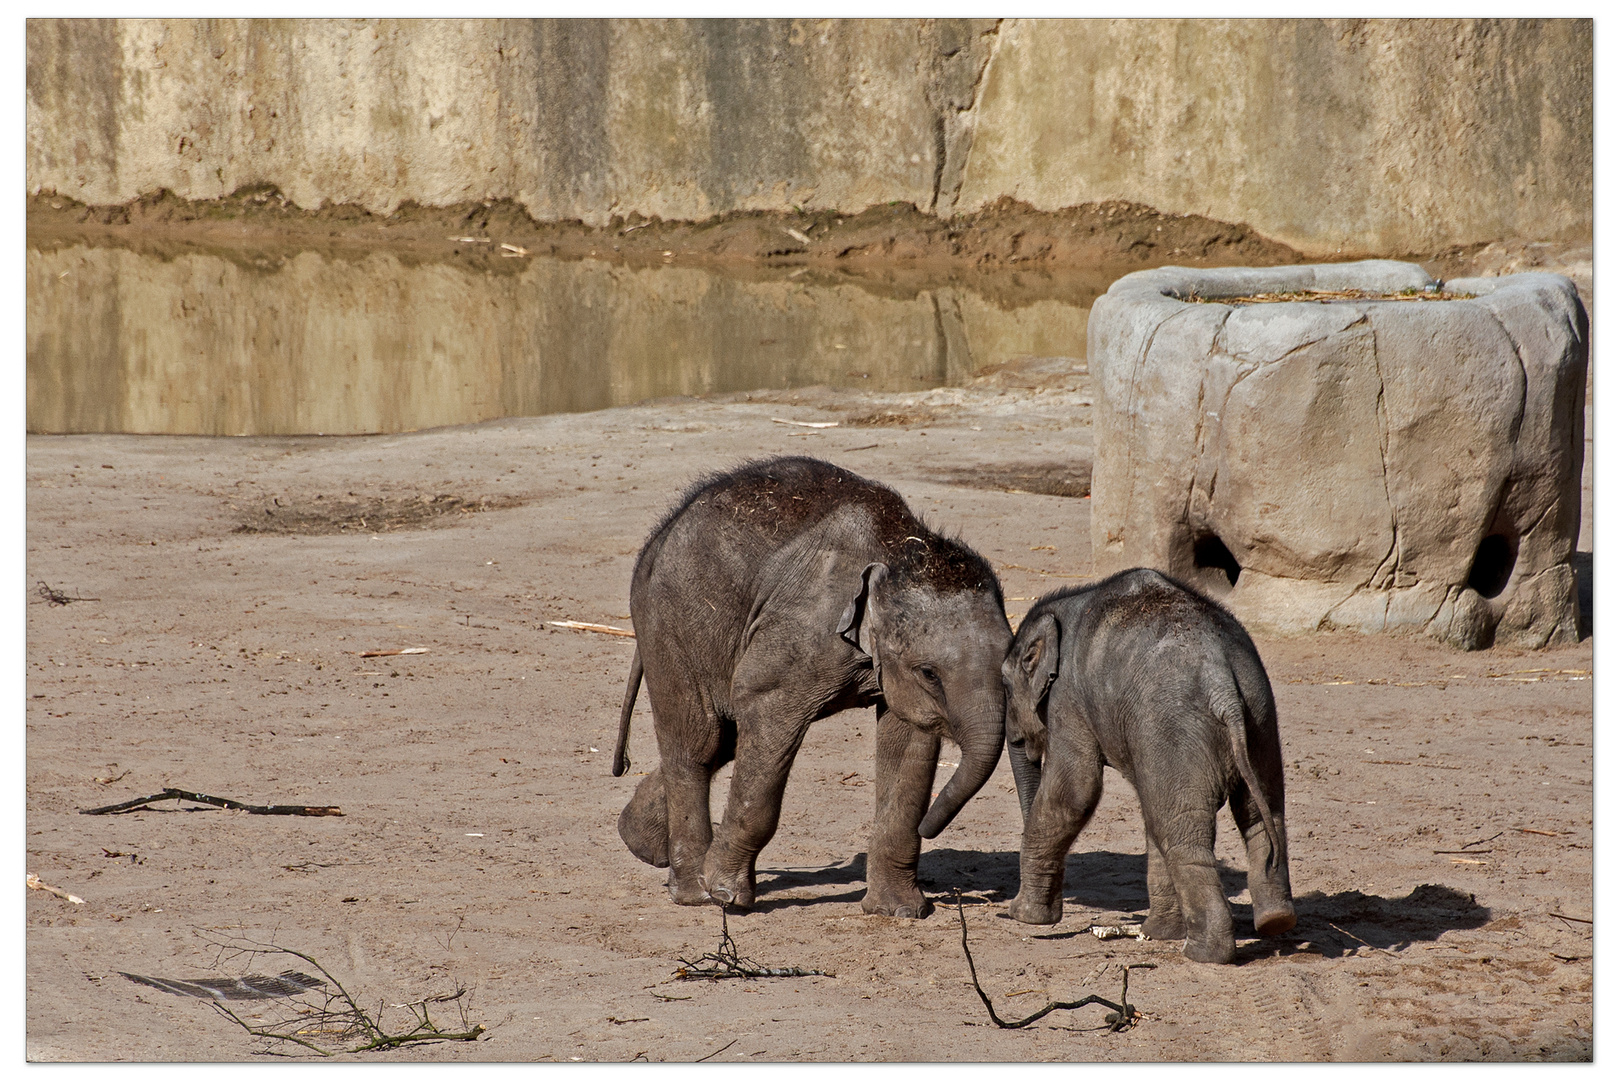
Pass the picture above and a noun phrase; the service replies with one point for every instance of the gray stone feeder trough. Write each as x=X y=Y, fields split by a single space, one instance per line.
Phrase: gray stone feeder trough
x=1383 y=455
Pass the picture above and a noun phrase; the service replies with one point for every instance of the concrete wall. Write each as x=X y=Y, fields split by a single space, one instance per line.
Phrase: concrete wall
x=1380 y=136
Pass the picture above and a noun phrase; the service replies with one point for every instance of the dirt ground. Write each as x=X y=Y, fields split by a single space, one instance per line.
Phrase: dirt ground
x=1439 y=803
x=1005 y=235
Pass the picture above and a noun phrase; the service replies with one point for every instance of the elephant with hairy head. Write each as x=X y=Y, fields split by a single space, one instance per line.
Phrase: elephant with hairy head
x=776 y=595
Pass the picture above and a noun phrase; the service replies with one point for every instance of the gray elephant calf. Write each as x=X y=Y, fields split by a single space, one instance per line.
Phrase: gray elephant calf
x=779 y=594
x=1143 y=674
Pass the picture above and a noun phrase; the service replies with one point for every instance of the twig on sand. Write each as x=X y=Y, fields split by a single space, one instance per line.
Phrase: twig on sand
x=215 y=800
x=595 y=628
x=722 y=1050
x=1351 y=936
x=724 y=963
x=1570 y=918
x=340 y=1022
x=57 y=598
x=1124 y=1015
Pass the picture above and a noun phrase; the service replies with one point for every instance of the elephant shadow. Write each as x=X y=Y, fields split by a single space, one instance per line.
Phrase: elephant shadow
x=770 y=880
x=1336 y=924
x=991 y=874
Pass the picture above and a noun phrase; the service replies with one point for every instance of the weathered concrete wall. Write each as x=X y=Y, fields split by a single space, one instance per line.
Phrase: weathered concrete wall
x=1375 y=136
x=1353 y=135
x=680 y=119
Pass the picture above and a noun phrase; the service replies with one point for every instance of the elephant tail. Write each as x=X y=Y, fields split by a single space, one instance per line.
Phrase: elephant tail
x=1227 y=704
x=621 y=761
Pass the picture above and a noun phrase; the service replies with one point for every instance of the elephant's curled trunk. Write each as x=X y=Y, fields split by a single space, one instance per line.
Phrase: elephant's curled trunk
x=980 y=738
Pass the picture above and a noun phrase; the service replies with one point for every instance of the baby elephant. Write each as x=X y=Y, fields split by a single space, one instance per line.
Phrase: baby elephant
x=1141 y=673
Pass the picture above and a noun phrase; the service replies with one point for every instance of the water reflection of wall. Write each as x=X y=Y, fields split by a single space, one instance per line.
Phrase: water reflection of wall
x=202 y=344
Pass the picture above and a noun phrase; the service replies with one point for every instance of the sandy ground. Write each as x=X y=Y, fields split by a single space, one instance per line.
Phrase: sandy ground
x=1439 y=803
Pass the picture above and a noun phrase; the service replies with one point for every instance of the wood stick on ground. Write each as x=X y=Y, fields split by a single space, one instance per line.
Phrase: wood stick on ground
x=722 y=1050
x=35 y=883
x=1351 y=936
x=596 y=628
x=215 y=800
x=1570 y=918
x=1123 y=1016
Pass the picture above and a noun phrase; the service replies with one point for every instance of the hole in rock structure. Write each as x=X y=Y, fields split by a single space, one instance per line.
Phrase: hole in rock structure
x=1493 y=565
x=1214 y=565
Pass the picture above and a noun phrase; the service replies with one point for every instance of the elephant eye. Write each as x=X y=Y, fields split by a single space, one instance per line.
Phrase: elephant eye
x=928 y=673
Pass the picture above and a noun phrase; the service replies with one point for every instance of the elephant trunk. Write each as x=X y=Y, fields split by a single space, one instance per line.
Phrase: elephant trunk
x=1026 y=774
x=980 y=737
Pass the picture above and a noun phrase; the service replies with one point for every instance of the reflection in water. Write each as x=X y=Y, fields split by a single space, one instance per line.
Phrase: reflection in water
x=207 y=344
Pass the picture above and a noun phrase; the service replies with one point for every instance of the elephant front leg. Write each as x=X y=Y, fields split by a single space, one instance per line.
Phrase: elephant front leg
x=906 y=762
x=1064 y=802
x=686 y=789
x=765 y=753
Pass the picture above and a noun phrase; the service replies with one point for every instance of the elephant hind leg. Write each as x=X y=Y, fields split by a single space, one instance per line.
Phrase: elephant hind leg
x=1269 y=888
x=644 y=822
x=1185 y=836
x=1164 y=921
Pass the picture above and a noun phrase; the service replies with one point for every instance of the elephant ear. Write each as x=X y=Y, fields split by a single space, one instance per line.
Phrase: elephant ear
x=1036 y=654
x=858 y=624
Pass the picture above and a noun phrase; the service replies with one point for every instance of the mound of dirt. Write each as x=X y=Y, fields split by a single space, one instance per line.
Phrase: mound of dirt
x=1007 y=234
x=1071 y=480
x=319 y=515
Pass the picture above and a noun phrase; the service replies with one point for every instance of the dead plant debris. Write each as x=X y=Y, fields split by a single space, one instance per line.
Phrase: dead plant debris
x=324 y=515
x=1069 y=480
x=1124 y=1015
x=57 y=598
x=215 y=800
x=724 y=963
x=338 y=1025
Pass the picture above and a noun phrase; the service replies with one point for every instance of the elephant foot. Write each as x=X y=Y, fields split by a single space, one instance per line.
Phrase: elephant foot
x=725 y=887
x=1164 y=926
x=644 y=823
x=650 y=849
x=742 y=900
x=899 y=903
x=1210 y=951
x=1035 y=912
x=689 y=893
x=1275 y=919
